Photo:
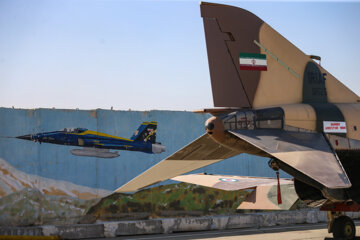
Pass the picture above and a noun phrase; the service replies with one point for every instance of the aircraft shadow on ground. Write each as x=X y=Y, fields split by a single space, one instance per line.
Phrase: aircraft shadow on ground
x=330 y=238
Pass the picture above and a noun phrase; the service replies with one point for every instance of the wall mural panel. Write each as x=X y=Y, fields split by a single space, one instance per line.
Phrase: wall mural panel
x=43 y=183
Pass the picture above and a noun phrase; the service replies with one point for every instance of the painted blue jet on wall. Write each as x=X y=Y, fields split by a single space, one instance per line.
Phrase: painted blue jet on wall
x=96 y=144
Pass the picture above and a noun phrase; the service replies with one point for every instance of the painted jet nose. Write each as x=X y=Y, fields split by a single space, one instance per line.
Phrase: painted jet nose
x=26 y=137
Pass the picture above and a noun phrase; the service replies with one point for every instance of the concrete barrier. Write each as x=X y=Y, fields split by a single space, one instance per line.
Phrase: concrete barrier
x=169 y=225
x=139 y=227
x=19 y=231
x=187 y=224
x=219 y=222
x=80 y=231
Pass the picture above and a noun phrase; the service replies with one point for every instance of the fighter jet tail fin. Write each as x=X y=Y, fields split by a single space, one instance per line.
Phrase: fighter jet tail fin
x=251 y=64
x=146 y=132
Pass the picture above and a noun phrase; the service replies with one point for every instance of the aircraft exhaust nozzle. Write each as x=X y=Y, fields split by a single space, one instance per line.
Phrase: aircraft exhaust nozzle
x=94 y=152
x=158 y=148
x=214 y=125
x=209 y=126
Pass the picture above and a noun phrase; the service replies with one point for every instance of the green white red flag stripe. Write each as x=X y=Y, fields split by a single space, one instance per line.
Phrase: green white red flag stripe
x=253 y=61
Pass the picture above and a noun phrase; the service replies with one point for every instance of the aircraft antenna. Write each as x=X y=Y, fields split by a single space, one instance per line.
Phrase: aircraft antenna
x=314 y=57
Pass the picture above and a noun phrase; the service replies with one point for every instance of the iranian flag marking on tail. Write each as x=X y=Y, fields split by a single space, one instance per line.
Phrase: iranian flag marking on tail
x=253 y=61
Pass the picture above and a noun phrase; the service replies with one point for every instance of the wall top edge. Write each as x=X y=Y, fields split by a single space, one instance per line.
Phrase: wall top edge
x=97 y=109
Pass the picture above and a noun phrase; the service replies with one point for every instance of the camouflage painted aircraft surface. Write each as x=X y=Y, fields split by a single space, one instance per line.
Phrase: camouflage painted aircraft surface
x=273 y=100
x=265 y=194
x=96 y=144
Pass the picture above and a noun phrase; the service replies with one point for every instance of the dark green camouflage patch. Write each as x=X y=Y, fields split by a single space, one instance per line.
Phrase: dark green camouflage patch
x=172 y=200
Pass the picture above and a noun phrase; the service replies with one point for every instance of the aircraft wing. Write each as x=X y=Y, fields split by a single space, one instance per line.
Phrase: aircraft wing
x=229 y=183
x=201 y=152
x=264 y=196
x=309 y=153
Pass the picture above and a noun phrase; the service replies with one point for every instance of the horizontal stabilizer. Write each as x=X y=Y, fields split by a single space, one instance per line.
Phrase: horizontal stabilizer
x=229 y=183
x=309 y=153
x=264 y=196
x=200 y=153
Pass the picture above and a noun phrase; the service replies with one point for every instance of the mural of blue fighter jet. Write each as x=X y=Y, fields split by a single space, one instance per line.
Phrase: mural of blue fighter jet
x=96 y=144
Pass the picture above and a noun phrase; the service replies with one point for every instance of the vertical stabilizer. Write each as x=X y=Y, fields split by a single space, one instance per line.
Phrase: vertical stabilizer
x=252 y=65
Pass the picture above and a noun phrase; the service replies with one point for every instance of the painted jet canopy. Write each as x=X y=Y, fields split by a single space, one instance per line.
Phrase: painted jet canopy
x=73 y=130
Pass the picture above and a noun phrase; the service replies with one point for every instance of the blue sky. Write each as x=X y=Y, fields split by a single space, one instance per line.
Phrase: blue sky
x=145 y=55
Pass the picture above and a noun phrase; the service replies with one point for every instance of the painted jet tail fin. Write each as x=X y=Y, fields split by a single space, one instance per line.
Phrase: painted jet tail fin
x=252 y=65
x=146 y=132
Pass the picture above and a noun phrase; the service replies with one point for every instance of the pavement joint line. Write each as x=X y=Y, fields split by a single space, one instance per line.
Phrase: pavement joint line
x=264 y=230
x=232 y=231
x=222 y=232
x=20 y=237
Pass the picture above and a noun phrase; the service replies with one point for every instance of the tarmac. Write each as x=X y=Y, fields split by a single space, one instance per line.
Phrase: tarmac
x=317 y=231
x=165 y=226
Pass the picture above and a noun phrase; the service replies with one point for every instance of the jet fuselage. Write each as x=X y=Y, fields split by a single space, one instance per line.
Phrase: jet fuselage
x=338 y=127
x=89 y=139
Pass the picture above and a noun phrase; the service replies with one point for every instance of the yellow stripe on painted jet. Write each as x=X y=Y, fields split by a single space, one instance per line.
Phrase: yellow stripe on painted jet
x=147 y=123
x=88 y=132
